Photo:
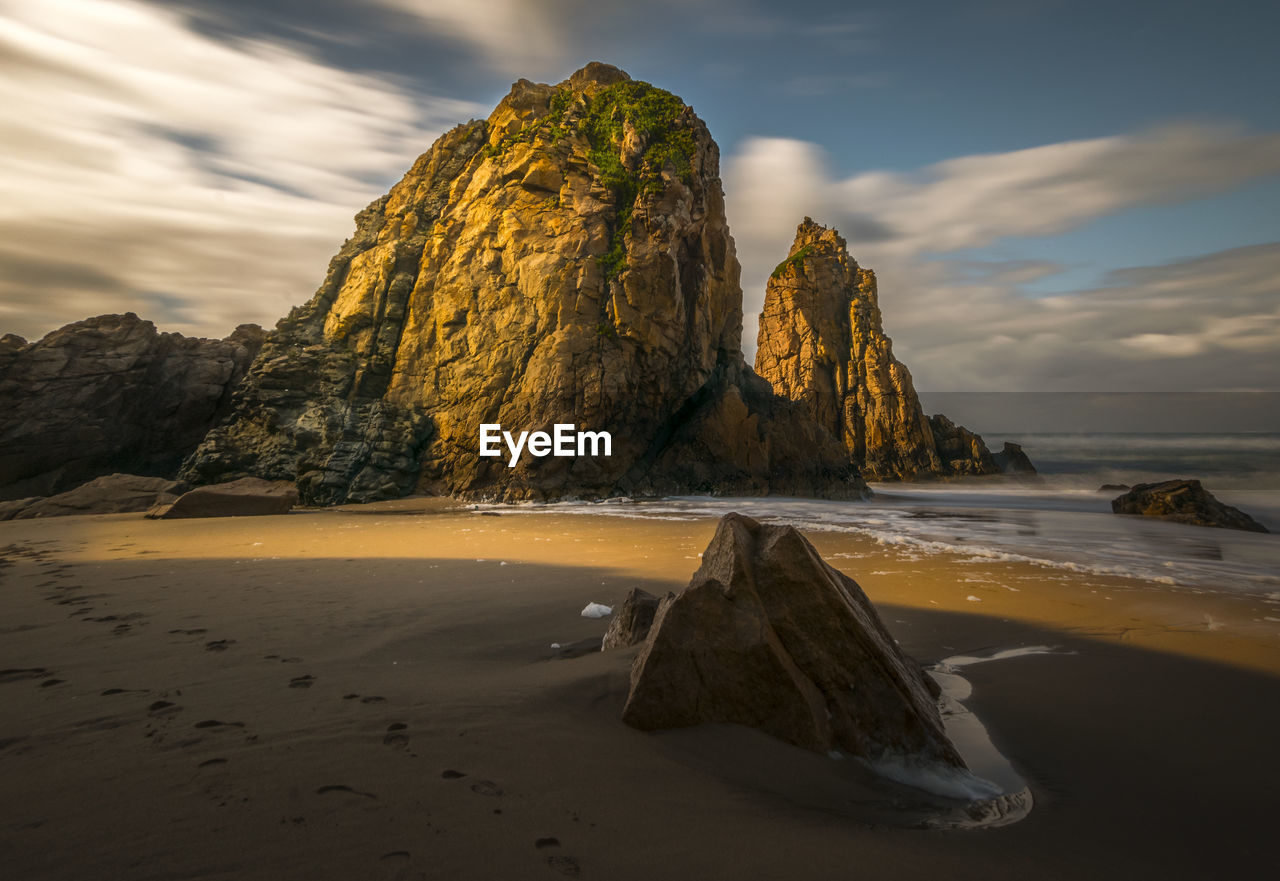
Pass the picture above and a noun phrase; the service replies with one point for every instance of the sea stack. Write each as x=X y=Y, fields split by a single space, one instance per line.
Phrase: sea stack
x=822 y=345
x=566 y=260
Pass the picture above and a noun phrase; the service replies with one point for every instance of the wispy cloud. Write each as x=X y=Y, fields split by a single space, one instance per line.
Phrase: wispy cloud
x=167 y=166
x=1202 y=322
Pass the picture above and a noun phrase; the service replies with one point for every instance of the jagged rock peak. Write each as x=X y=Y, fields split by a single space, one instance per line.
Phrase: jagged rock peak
x=566 y=260
x=822 y=344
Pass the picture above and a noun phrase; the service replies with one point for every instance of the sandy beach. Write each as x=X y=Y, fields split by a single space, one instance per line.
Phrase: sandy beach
x=373 y=693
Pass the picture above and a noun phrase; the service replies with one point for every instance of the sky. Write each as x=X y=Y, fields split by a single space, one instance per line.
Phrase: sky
x=1055 y=196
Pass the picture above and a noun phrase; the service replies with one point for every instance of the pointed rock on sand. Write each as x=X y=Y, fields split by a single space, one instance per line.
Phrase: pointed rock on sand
x=768 y=635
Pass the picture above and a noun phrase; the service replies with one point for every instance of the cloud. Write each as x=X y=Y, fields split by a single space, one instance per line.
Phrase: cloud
x=1206 y=323
x=974 y=200
x=960 y=323
x=517 y=36
x=165 y=165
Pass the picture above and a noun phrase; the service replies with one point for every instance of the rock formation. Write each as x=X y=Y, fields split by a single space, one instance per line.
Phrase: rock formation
x=1183 y=501
x=1012 y=459
x=631 y=621
x=822 y=344
x=566 y=260
x=110 y=394
x=112 y=494
x=246 y=497
x=768 y=635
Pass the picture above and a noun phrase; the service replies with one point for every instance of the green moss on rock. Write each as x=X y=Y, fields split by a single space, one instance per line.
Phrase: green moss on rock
x=796 y=260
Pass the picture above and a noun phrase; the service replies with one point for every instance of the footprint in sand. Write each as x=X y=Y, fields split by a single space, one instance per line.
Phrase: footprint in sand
x=214 y=723
x=49 y=682
x=396 y=734
x=302 y=681
x=163 y=706
x=338 y=787
x=395 y=866
x=547 y=842
x=18 y=673
x=208 y=763
x=196 y=632
x=565 y=865
x=450 y=774
x=373 y=699
x=219 y=645
x=486 y=787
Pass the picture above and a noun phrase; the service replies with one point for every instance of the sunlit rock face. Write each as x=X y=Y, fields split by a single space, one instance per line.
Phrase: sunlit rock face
x=822 y=345
x=566 y=260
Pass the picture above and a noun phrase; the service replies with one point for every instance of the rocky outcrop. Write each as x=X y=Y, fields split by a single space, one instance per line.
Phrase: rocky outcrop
x=631 y=622
x=566 y=260
x=112 y=494
x=768 y=635
x=960 y=451
x=822 y=345
x=1183 y=501
x=110 y=394
x=1012 y=459
x=246 y=497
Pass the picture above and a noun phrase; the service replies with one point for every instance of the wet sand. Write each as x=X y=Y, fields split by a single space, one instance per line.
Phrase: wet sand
x=373 y=694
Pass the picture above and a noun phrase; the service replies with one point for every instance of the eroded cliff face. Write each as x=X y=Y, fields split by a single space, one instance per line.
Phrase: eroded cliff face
x=110 y=394
x=566 y=260
x=822 y=345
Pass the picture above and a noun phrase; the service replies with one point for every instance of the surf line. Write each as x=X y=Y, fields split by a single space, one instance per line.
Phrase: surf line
x=564 y=441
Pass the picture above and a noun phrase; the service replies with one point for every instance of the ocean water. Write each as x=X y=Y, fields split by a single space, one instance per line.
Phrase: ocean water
x=1059 y=520
x=1220 y=461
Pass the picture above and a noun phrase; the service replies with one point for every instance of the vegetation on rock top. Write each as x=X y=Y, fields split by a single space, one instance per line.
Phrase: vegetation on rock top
x=796 y=260
x=651 y=112
x=603 y=120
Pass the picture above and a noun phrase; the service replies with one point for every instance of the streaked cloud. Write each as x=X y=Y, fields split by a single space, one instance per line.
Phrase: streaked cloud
x=1206 y=322
x=203 y=181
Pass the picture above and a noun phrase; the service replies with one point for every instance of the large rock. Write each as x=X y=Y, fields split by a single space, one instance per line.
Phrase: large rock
x=112 y=494
x=246 y=497
x=822 y=344
x=768 y=635
x=961 y=451
x=1183 y=501
x=566 y=260
x=1012 y=459
x=110 y=394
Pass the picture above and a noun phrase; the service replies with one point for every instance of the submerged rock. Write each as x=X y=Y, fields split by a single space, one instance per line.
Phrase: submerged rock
x=822 y=345
x=112 y=494
x=1183 y=501
x=768 y=635
x=566 y=260
x=110 y=394
x=246 y=497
